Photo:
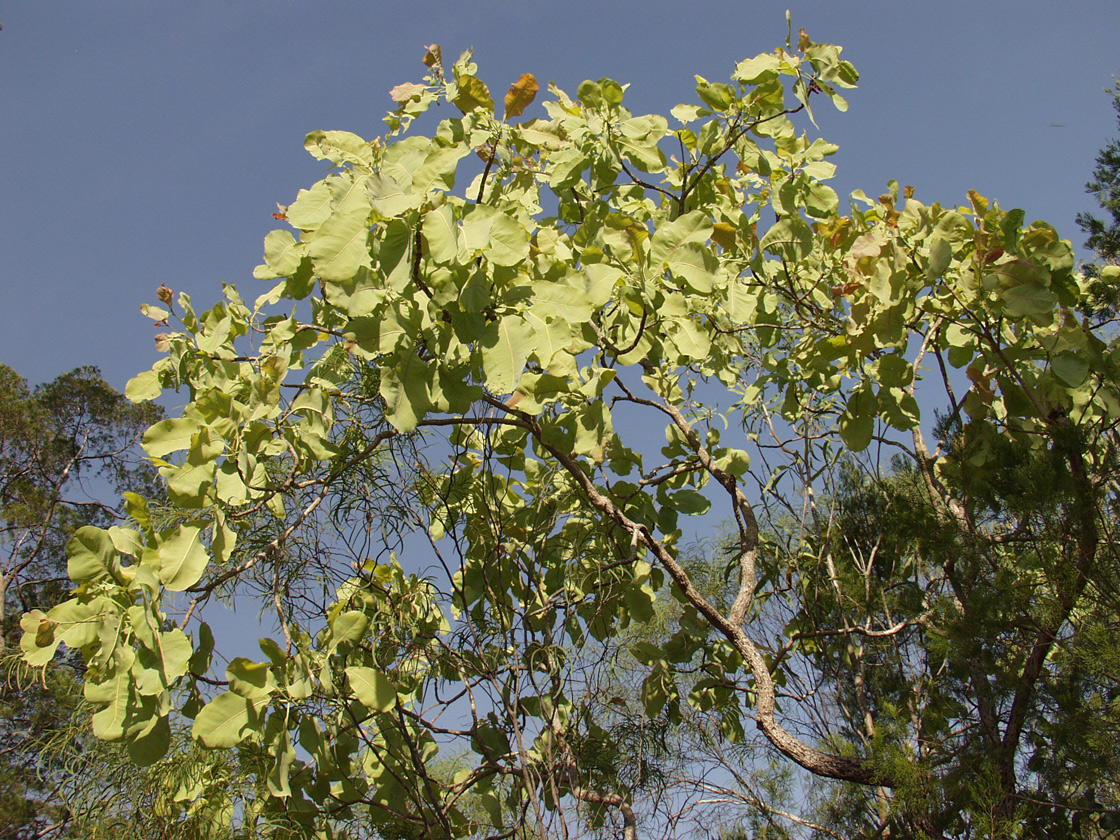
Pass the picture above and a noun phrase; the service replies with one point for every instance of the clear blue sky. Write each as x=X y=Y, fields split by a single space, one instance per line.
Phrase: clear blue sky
x=145 y=142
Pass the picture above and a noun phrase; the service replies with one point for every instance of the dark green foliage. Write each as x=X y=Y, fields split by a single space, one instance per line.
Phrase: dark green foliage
x=1104 y=233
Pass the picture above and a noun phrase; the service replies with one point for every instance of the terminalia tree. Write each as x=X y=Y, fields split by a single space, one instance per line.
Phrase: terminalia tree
x=453 y=448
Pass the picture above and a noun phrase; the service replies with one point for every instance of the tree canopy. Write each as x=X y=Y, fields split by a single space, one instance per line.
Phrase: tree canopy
x=454 y=447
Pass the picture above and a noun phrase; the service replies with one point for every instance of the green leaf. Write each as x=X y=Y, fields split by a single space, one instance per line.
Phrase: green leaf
x=1032 y=300
x=388 y=198
x=695 y=265
x=152 y=745
x=601 y=282
x=143 y=387
x=501 y=238
x=407 y=392
x=229 y=719
x=691 y=339
x=339 y=247
x=175 y=649
x=691 y=228
x=91 y=555
x=657 y=689
x=282 y=253
x=441 y=235
x=115 y=693
x=39 y=640
x=689 y=502
x=758 y=69
x=857 y=423
x=311 y=208
x=821 y=201
x=940 y=255
x=284 y=755
x=372 y=688
x=559 y=300
x=250 y=679
x=1070 y=367
x=339 y=147
x=170 y=435
x=182 y=558
x=791 y=239
x=506 y=345
x=347 y=628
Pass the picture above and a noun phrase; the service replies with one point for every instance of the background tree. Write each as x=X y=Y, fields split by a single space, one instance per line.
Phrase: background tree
x=65 y=448
x=481 y=369
x=1104 y=234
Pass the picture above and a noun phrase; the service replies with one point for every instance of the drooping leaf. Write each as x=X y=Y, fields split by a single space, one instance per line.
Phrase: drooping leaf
x=91 y=555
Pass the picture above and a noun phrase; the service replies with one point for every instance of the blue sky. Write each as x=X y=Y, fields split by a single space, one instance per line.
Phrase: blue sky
x=145 y=143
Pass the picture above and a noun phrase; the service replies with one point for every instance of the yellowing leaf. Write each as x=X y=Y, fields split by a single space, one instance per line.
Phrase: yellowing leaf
x=473 y=95
x=521 y=95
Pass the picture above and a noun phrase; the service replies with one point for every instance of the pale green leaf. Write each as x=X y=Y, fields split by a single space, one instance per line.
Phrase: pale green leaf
x=940 y=255
x=372 y=688
x=91 y=555
x=182 y=558
x=791 y=239
x=311 y=207
x=691 y=339
x=695 y=265
x=250 y=679
x=347 y=627
x=388 y=197
x=758 y=69
x=1031 y=300
x=506 y=345
x=694 y=227
x=473 y=95
x=229 y=719
x=170 y=435
x=559 y=300
x=282 y=253
x=143 y=387
x=339 y=247
x=441 y=235
x=857 y=423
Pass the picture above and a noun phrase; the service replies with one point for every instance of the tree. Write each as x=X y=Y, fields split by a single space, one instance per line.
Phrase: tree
x=64 y=448
x=522 y=386
x=1104 y=235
